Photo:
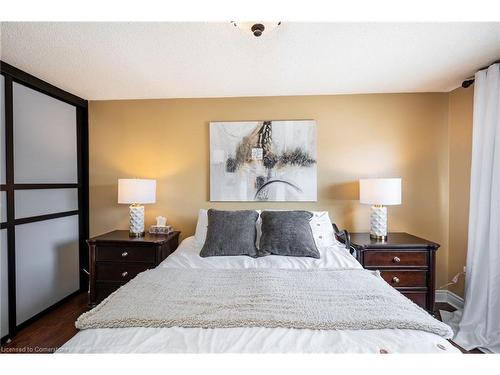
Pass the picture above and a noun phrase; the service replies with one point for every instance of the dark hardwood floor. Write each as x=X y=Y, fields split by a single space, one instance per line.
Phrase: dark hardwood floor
x=50 y=331
x=53 y=329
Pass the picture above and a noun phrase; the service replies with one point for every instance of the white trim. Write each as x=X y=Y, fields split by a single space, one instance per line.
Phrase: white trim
x=450 y=297
x=455 y=300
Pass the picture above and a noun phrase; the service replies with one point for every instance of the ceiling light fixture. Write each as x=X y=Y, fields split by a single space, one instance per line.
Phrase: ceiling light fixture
x=256 y=28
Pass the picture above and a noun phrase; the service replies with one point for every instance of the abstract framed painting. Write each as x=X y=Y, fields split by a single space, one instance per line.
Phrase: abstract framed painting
x=263 y=161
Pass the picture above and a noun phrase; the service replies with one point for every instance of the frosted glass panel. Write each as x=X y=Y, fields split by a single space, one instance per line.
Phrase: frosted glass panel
x=41 y=202
x=3 y=206
x=4 y=299
x=47 y=266
x=2 y=130
x=45 y=145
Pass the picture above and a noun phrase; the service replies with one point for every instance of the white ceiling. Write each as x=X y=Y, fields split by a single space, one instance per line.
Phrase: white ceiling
x=181 y=60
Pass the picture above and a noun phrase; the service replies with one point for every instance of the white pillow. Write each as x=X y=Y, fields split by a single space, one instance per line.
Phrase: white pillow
x=201 y=227
x=322 y=229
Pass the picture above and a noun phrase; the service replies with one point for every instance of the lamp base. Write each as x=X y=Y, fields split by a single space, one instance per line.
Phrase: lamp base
x=136 y=221
x=136 y=235
x=378 y=238
x=378 y=223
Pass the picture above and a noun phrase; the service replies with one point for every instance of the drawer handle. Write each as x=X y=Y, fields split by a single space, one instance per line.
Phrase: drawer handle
x=395 y=280
x=124 y=254
x=124 y=274
x=396 y=259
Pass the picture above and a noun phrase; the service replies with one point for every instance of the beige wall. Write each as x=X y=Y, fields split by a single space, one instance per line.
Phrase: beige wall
x=358 y=136
x=460 y=144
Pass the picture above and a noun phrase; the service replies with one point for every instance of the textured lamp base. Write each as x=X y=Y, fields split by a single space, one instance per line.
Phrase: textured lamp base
x=378 y=223
x=136 y=223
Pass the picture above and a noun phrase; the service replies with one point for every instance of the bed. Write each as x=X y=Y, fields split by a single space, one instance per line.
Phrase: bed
x=175 y=339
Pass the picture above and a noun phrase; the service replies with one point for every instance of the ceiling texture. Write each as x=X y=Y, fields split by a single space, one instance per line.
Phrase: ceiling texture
x=100 y=61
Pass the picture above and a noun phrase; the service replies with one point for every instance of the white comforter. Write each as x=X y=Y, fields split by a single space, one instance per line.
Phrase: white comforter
x=255 y=340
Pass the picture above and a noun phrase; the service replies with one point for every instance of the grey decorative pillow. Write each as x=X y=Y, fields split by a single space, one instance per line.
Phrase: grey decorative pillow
x=230 y=233
x=287 y=233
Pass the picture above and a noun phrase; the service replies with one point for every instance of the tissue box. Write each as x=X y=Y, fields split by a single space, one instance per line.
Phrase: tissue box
x=155 y=229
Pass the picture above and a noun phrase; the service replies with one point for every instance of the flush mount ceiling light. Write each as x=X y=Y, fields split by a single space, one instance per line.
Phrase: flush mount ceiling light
x=256 y=28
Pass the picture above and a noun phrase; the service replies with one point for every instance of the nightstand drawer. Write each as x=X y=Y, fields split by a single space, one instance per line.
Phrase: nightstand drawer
x=391 y=258
x=105 y=289
x=126 y=253
x=405 y=279
x=419 y=298
x=118 y=272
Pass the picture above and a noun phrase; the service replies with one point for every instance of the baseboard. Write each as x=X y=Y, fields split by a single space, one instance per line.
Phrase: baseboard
x=449 y=297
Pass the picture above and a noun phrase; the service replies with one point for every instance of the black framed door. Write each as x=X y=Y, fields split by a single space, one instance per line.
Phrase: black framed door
x=43 y=197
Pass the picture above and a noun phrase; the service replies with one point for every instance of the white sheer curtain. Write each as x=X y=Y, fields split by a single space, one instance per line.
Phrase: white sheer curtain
x=480 y=324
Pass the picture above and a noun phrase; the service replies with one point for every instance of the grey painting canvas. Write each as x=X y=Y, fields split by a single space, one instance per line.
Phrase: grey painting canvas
x=263 y=161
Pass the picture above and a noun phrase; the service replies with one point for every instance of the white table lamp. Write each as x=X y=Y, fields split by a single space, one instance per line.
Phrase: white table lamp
x=136 y=192
x=379 y=192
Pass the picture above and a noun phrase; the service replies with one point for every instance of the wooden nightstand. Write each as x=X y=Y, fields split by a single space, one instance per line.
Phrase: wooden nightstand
x=406 y=262
x=115 y=258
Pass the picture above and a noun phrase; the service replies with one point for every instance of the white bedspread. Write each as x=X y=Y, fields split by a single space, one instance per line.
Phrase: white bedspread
x=255 y=340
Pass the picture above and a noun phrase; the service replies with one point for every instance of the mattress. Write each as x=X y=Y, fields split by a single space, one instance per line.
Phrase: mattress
x=255 y=339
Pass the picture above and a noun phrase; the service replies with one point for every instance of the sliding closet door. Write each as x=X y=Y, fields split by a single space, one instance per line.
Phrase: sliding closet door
x=44 y=197
x=45 y=153
x=4 y=291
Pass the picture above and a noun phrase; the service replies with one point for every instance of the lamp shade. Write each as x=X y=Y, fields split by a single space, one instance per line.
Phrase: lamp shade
x=133 y=190
x=383 y=191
